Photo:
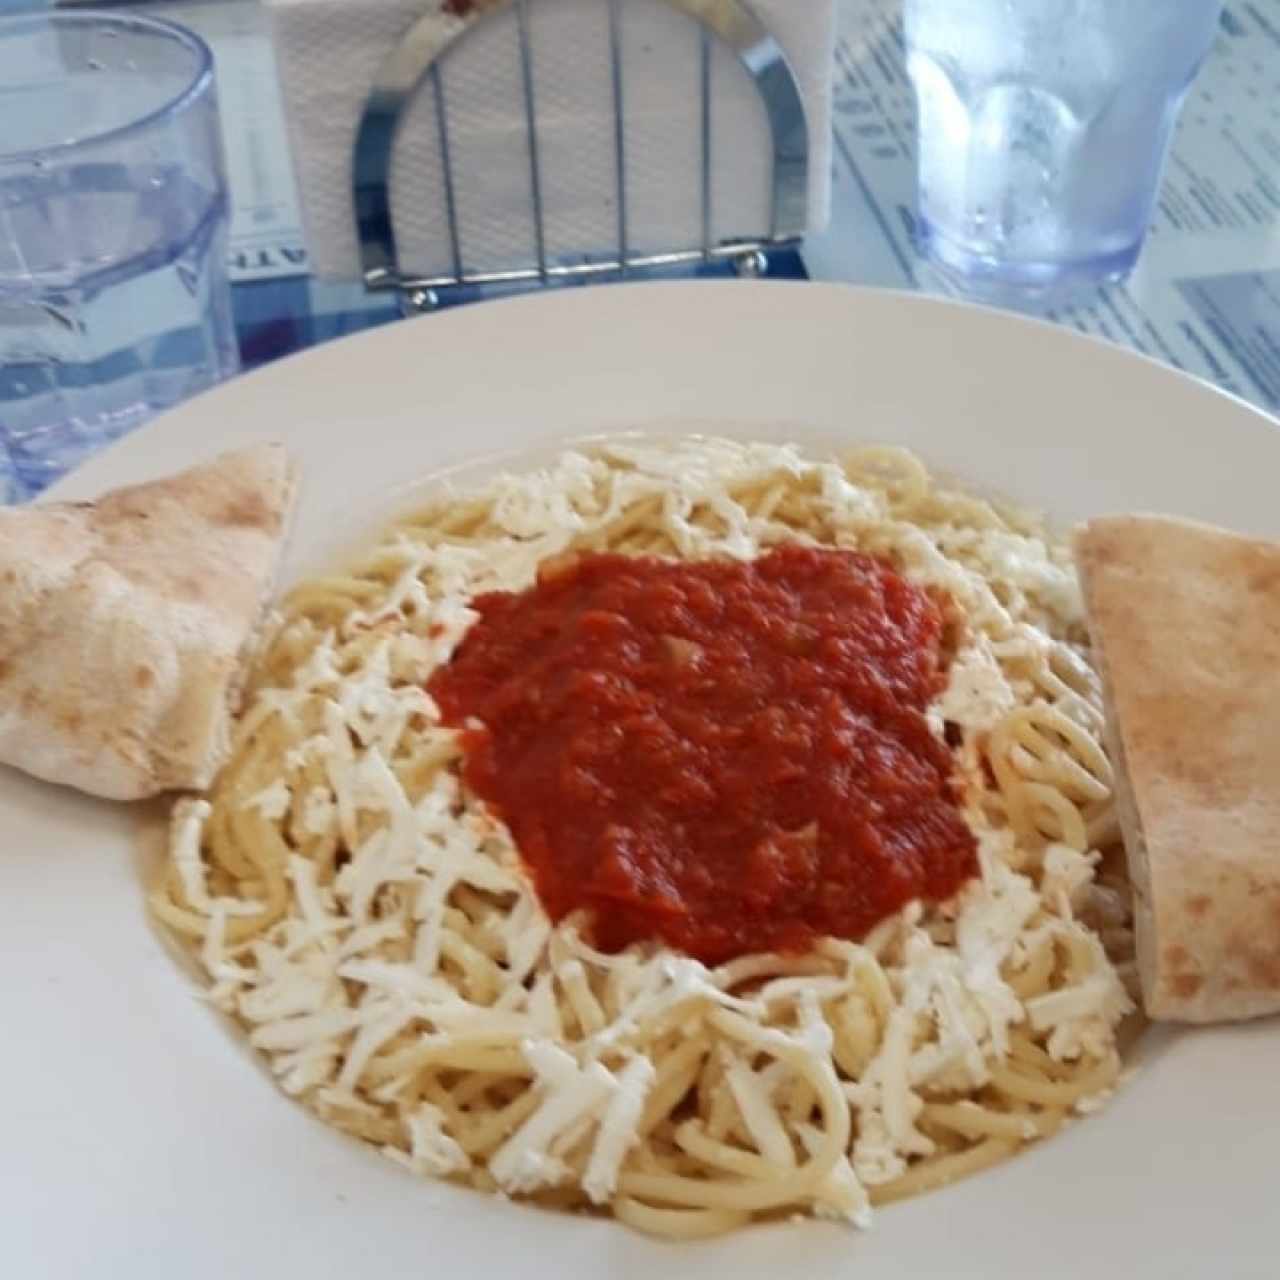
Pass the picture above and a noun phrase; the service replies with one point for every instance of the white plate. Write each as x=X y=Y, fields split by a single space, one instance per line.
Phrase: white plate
x=139 y=1140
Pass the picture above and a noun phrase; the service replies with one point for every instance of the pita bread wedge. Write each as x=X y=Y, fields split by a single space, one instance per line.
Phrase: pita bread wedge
x=1185 y=619
x=124 y=624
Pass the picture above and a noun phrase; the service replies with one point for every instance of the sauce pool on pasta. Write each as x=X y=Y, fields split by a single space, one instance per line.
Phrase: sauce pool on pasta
x=728 y=756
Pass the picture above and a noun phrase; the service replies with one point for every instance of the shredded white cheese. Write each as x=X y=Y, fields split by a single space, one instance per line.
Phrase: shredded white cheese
x=368 y=967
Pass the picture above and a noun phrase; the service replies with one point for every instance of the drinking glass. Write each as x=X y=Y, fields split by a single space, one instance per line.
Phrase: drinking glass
x=114 y=299
x=1043 y=127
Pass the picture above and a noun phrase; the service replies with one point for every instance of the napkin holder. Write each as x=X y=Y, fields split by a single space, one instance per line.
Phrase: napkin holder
x=421 y=65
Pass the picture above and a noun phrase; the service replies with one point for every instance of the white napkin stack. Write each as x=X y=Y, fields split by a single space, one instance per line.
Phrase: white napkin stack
x=329 y=51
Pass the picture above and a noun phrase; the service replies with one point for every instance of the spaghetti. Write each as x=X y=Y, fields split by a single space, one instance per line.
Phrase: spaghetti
x=372 y=927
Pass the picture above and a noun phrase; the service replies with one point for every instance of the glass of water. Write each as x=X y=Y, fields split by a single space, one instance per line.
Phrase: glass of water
x=114 y=299
x=1043 y=127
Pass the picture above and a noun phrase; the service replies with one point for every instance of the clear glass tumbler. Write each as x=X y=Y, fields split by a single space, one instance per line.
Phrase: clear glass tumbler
x=1043 y=127
x=114 y=299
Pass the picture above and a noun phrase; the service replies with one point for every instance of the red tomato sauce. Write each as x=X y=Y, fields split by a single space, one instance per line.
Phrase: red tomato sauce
x=727 y=757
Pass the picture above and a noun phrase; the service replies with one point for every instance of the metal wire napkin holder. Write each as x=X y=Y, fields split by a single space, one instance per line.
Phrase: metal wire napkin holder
x=418 y=57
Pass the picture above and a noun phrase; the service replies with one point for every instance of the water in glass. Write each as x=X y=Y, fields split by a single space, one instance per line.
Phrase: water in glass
x=114 y=300
x=1043 y=126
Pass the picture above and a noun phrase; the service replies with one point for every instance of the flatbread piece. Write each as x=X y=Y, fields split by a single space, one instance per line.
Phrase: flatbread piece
x=124 y=624
x=1185 y=619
